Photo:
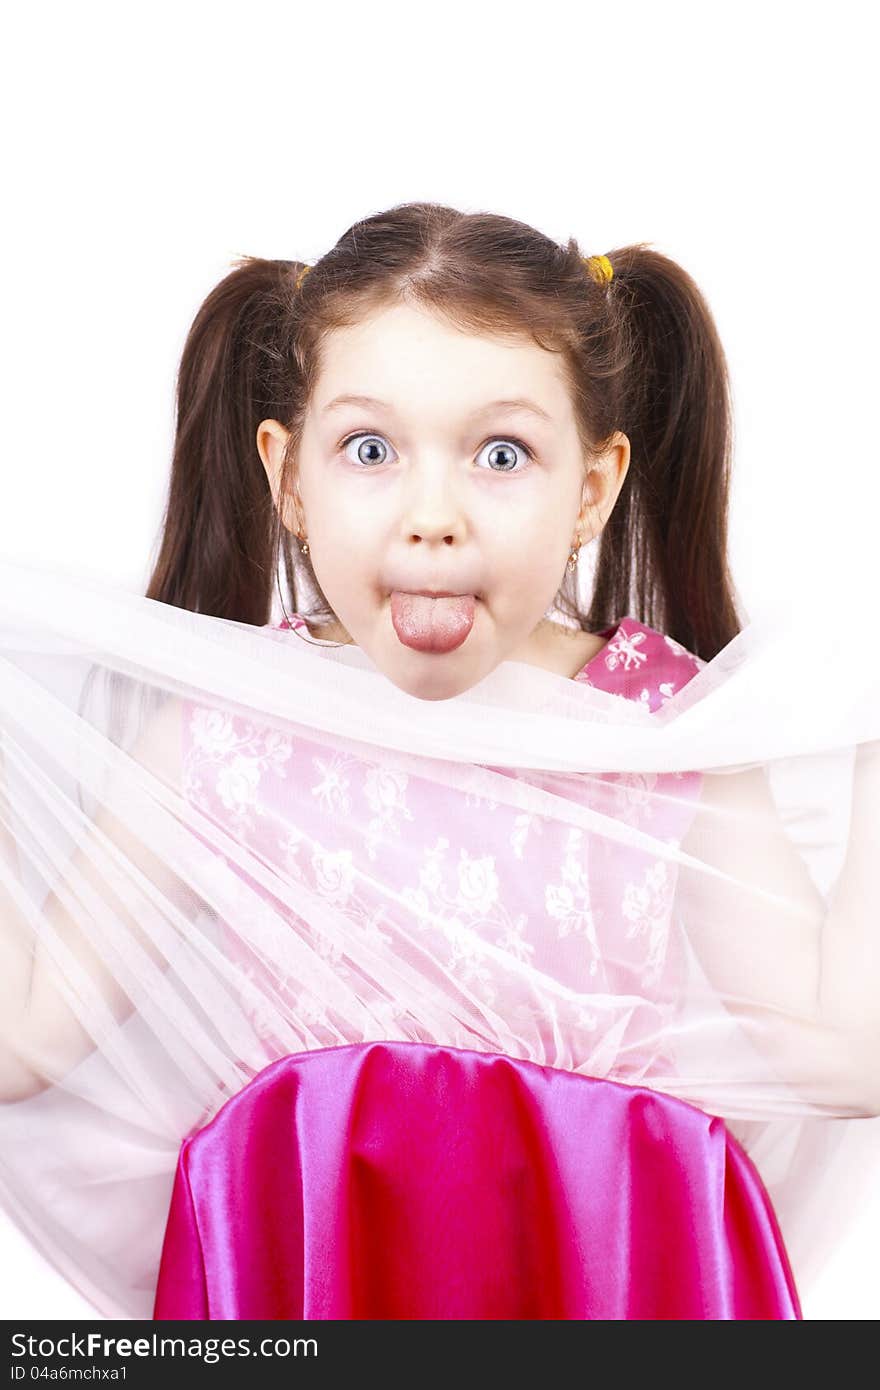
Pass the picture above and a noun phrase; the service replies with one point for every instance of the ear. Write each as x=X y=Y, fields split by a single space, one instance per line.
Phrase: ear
x=602 y=486
x=272 y=440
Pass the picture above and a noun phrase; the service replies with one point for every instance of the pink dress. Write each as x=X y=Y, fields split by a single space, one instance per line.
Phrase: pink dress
x=408 y=1179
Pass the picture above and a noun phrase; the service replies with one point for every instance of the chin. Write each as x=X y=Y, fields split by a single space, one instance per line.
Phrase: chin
x=432 y=686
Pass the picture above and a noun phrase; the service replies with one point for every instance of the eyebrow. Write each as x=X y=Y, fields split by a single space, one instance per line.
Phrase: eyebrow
x=517 y=403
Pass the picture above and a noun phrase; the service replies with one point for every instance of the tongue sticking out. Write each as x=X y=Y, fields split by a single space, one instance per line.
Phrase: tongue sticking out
x=432 y=624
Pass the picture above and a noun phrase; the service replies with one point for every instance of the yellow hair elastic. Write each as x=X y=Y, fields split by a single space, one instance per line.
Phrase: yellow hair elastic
x=599 y=267
x=303 y=273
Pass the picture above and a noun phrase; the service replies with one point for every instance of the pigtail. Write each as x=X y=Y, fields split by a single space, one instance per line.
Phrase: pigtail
x=663 y=550
x=219 y=531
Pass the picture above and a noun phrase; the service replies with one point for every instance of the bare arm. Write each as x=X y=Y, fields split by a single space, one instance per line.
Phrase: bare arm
x=40 y=1036
x=815 y=968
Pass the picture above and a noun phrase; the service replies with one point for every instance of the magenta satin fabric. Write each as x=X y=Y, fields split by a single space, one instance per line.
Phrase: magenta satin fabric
x=408 y=1180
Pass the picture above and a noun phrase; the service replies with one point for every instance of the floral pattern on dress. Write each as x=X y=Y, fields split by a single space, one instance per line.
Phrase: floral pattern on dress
x=485 y=882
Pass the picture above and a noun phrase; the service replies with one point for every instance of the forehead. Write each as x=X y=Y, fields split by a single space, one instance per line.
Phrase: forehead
x=406 y=356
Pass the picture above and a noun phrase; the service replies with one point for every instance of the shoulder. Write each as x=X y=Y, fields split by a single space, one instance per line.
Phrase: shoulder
x=641 y=663
x=160 y=745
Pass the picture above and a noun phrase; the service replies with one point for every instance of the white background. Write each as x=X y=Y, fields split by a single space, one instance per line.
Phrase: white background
x=145 y=150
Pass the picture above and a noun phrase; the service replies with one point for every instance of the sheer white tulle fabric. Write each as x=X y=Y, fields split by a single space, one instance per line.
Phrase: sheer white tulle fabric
x=687 y=900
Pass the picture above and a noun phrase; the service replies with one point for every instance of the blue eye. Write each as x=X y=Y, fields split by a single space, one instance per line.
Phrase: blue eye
x=502 y=445
x=374 y=440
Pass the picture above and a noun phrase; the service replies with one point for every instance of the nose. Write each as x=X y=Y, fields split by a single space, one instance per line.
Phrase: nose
x=432 y=511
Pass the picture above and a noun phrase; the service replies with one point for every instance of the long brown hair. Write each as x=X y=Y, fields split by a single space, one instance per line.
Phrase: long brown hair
x=641 y=355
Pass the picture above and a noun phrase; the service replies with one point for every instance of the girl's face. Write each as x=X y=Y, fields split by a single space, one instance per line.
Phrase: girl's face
x=440 y=478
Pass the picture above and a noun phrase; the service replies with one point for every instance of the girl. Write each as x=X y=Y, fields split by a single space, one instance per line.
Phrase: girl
x=425 y=954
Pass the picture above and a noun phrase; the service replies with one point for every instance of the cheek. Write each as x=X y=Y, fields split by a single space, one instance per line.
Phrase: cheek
x=533 y=557
x=521 y=590
x=351 y=525
x=340 y=528
x=347 y=571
